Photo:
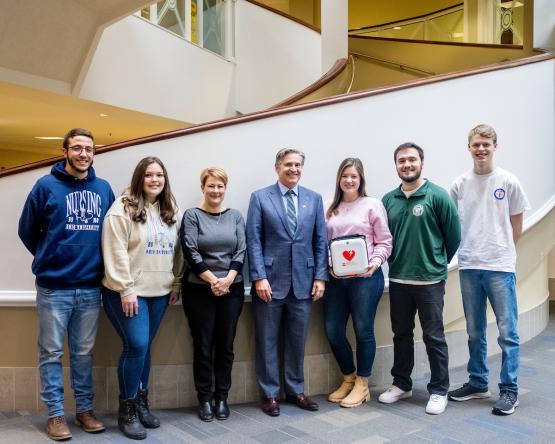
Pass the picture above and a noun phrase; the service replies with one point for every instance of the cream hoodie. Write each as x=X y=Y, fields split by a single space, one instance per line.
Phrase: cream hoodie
x=142 y=258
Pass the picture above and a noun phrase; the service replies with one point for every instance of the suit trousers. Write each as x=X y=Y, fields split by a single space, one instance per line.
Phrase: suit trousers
x=213 y=323
x=288 y=317
x=405 y=300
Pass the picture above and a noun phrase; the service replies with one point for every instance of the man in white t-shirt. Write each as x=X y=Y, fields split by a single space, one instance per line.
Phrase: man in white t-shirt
x=491 y=203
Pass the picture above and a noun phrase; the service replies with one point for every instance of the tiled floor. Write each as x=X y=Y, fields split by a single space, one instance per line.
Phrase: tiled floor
x=403 y=422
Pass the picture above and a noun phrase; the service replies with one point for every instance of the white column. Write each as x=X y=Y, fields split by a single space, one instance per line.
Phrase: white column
x=188 y=23
x=229 y=53
x=486 y=20
x=200 y=23
x=335 y=26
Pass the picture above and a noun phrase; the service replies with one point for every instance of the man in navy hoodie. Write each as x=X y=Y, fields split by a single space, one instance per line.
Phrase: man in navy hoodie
x=61 y=226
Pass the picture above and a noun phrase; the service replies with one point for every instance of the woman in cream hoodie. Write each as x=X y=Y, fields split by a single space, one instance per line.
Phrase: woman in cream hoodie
x=143 y=268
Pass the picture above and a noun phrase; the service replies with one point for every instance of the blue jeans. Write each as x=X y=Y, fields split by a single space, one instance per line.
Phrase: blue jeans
x=477 y=286
x=137 y=334
x=75 y=311
x=357 y=297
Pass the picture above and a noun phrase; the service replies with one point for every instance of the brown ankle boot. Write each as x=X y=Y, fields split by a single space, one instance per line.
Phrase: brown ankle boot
x=359 y=393
x=89 y=422
x=344 y=389
x=57 y=429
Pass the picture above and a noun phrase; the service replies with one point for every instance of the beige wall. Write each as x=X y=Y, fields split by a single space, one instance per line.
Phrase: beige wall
x=371 y=13
x=362 y=12
x=305 y=10
x=431 y=57
x=551 y=274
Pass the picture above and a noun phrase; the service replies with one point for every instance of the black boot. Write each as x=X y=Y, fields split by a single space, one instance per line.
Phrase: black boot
x=221 y=409
x=147 y=419
x=128 y=420
x=205 y=411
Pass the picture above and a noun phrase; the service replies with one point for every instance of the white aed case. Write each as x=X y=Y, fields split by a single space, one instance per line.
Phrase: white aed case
x=349 y=255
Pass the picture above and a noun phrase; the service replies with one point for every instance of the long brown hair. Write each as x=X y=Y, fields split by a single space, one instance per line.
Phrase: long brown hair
x=338 y=197
x=134 y=201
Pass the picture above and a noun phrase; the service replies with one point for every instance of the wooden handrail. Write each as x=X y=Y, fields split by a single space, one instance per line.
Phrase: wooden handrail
x=437 y=42
x=402 y=66
x=334 y=71
x=543 y=56
x=284 y=14
x=416 y=17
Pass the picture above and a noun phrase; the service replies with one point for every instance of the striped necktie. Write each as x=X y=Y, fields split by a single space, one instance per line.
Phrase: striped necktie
x=291 y=213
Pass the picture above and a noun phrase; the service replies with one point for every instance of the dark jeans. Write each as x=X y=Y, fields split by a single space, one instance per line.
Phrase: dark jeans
x=137 y=334
x=213 y=323
x=405 y=301
x=357 y=297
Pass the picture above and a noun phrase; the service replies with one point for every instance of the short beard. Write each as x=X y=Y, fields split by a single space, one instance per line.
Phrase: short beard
x=75 y=168
x=412 y=179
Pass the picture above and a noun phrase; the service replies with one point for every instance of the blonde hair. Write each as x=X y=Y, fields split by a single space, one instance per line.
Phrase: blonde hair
x=483 y=130
x=215 y=172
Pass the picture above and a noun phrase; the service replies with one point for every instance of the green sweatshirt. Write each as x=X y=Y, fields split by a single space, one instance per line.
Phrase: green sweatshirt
x=426 y=233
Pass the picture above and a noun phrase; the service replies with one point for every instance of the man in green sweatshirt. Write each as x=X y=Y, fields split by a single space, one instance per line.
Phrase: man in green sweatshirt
x=426 y=234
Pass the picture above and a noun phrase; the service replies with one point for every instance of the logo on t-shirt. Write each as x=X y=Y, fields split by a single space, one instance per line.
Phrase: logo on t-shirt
x=417 y=210
x=499 y=193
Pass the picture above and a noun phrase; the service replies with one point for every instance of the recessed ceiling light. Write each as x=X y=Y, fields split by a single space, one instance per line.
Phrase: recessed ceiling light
x=48 y=138
x=397 y=27
x=103 y=115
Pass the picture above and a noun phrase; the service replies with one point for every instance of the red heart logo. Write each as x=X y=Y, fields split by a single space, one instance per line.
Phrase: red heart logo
x=349 y=254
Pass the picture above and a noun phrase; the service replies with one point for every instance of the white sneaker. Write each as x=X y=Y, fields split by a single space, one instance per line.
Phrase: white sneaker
x=393 y=394
x=436 y=404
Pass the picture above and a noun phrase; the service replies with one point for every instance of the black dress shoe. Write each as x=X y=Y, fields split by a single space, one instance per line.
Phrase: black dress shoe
x=221 y=409
x=302 y=401
x=205 y=411
x=270 y=406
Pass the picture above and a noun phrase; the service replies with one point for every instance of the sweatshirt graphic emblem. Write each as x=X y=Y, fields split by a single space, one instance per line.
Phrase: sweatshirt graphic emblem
x=417 y=210
x=160 y=239
x=83 y=211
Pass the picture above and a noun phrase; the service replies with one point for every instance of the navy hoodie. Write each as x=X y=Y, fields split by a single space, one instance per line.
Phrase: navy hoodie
x=61 y=225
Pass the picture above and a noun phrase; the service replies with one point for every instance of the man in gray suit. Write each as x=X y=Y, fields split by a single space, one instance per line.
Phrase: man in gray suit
x=288 y=266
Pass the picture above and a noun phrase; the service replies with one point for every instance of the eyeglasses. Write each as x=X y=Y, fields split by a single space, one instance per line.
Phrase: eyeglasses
x=78 y=149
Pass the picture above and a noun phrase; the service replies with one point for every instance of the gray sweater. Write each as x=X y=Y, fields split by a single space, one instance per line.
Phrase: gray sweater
x=213 y=241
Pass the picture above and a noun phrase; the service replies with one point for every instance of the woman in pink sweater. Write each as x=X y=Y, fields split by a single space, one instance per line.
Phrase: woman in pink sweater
x=353 y=212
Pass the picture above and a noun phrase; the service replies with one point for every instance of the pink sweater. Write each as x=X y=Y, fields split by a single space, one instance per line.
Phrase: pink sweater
x=366 y=216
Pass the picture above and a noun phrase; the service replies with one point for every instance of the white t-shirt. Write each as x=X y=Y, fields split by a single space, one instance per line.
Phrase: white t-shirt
x=485 y=203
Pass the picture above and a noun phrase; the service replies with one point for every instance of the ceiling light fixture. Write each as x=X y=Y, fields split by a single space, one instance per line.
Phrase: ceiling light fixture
x=397 y=27
x=48 y=138
x=103 y=115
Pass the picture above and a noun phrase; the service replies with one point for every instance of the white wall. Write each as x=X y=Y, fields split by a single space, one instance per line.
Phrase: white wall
x=335 y=31
x=275 y=56
x=436 y=116
x=145 y=68
x=544 y=24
